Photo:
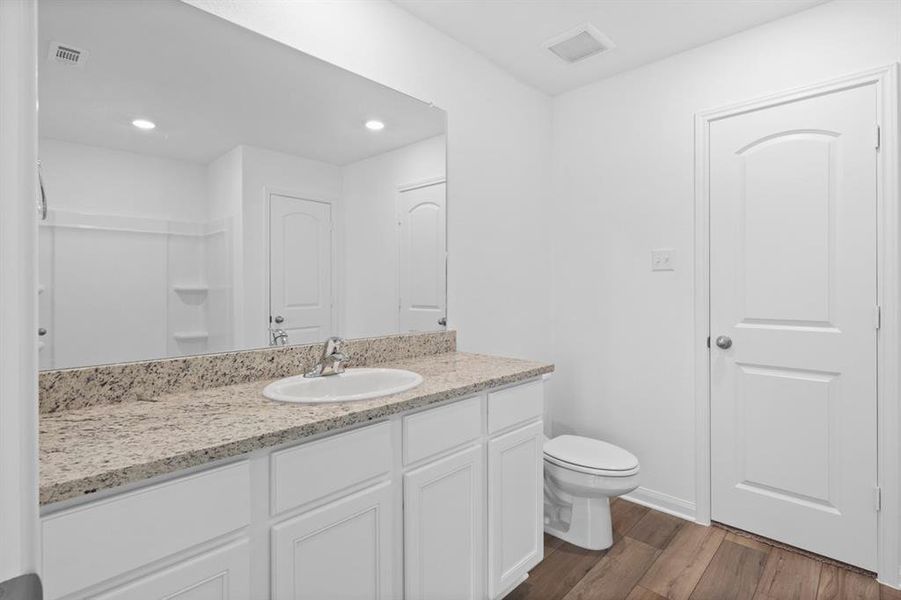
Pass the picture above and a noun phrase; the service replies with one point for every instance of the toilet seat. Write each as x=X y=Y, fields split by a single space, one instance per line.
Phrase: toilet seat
x=590 y=456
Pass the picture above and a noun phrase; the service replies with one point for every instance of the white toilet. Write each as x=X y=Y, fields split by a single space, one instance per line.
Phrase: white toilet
x=580 y=476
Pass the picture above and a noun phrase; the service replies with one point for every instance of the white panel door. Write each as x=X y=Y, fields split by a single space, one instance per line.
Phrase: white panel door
x=422 y=277
x=222 y=574
x=300 y=268
x=515 y=506
x=341 y=551
x=793 y=285
x=443 y=529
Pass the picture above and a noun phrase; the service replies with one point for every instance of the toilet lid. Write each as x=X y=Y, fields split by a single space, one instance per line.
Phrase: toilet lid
x=590 y=453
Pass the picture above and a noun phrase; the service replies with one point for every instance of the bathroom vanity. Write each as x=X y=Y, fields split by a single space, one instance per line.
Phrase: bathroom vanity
x=432 y=493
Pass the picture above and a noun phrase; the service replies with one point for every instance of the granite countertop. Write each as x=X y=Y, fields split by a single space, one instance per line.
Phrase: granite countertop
x=86 y=450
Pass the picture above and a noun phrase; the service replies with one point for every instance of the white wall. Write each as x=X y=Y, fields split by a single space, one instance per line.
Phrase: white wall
x=124 y=229
x=623 y=184
x=20 y=548
x=99 y=180
x=263 y=172
x=224 y=189
x=498 y=151
x=369 y=197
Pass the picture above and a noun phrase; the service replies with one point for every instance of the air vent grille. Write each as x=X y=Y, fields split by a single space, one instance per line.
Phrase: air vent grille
x=580 y=43
x=66 y=54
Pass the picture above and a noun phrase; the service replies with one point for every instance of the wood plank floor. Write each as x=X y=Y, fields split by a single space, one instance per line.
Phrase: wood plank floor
x=659 y=557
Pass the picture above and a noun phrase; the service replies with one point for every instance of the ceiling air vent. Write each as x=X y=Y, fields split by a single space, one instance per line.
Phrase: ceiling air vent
x=66 y=54
x=579 y=43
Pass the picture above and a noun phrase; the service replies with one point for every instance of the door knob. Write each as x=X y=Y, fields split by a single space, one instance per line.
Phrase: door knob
x=279 y=319
x=724 y=342
x=442 y=321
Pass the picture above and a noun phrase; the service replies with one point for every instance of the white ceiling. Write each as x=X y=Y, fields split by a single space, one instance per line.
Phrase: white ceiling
x=209 y=86
x=511 y=33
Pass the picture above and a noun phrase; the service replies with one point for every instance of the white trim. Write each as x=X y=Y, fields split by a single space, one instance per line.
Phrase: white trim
x=889 y=296
x=671 y=505
x=61 y=219
x=889 y=334
x=422 y=183
x=19 y=549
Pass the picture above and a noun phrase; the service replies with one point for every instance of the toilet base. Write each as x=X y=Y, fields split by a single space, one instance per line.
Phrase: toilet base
x=590 y=526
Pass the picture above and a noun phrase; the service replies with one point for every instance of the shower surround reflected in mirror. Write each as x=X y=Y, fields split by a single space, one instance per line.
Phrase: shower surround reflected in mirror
x=211 y=190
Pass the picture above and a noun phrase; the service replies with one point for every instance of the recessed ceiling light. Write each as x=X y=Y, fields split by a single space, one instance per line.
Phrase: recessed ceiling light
x=143 y=124
x=373 y=125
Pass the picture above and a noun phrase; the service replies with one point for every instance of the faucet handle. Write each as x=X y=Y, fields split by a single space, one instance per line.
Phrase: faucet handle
x=333 y=345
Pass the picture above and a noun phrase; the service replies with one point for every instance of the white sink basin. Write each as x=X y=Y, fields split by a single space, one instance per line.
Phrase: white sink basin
x=353 y=384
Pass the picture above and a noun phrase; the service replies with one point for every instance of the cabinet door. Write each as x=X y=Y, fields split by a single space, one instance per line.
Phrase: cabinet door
x=341 y=551
x=222 y=574
x=443 y=528
x=515 y=506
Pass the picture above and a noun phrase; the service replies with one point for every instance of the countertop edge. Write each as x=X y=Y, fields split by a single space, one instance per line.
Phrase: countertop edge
x=87 y=486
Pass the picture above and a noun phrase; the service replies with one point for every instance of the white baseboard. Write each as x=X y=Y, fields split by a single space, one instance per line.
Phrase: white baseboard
x=663 y=502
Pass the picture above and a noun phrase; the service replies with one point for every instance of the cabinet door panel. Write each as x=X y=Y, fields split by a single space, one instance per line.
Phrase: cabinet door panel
x=443 y=528
x=341 y=551
x=91 y=543
x=222 y=574
x=515 y=506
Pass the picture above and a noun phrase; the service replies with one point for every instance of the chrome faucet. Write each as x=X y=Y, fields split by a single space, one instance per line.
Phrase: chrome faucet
x=332 y=360
x=278 y=337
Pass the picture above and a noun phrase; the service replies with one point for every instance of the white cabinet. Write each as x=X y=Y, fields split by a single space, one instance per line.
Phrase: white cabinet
x=515 y=506
x=222 y=574
x=323 y=520
x=443 y=528
x=107 y=538
x=340 y=551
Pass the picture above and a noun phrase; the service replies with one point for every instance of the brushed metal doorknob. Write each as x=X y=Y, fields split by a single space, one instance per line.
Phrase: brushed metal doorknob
x=279 y=319
x=724 y=342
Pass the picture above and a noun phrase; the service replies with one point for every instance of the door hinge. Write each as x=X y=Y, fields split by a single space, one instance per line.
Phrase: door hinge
x=877 y=498
x=878 y=137
x=878 y=316
x=708 y=342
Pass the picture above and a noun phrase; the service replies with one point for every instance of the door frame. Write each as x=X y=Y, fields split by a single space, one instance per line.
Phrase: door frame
x=19 y=526
x=888 y=296
x=406 y=187
x=336 y=322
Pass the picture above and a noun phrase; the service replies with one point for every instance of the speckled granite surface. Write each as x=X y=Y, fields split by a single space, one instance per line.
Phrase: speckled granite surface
x=101 y=447
x=66 y=389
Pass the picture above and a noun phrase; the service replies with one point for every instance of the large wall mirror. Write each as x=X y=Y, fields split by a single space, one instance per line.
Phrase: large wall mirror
x=210 y=189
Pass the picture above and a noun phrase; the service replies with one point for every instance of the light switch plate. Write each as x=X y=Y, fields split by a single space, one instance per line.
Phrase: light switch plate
x=663 y=259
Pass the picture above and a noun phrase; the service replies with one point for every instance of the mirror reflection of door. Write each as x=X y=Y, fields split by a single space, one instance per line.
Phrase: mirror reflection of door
x=156 y=242
x=300 y=268
x=422 y=275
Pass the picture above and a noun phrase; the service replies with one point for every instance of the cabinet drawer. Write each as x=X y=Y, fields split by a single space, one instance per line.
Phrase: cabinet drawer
x=86 y=545
x=513 y=405
x=222 y=574
x=315 y=470
x=438 y=429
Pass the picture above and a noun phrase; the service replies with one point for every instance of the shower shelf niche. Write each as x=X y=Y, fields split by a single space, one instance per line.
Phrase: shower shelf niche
x=191 y=289
x=190 y=336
